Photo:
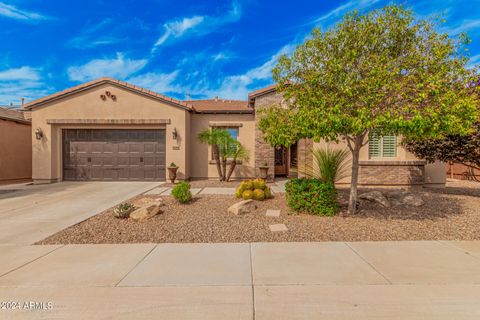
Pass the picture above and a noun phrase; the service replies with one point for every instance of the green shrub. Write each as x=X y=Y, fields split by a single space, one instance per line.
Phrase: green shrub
x=123 y=210
x=329 y=165
x=258 y=195
x=253 y=189
x=182 y=192
x=247 y=185
x=259 y=184
x=247 y=194
x=312 y=196
x=238 y=192
x=268 y=193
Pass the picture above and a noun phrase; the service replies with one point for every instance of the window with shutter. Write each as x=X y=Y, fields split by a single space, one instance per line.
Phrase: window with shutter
x=374 y=146
x=382 y=147
x=389 y=146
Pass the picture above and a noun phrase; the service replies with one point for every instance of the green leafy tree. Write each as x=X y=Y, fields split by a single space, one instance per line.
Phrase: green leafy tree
x=385 y=71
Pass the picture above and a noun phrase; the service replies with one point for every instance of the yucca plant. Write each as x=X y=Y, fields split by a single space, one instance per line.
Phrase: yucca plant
x=330 y=165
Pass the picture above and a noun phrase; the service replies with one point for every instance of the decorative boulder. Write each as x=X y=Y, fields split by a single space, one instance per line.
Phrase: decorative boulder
x=376 y=196
x=146 y=212
x=242 y=207
x=399 y=197
x=412 y=200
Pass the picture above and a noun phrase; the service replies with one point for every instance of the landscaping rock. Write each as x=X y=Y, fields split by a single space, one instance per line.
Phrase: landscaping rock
x=242 y=207
x=146 y=201
x=280 y=227
x=413 y=200
x=272 y=213
x=399 y=197
x=146 y=212
x=376 y=196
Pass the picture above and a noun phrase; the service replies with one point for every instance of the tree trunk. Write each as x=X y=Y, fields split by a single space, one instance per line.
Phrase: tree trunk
x=352 y=201
x=232 y=167
x=216 y=157
x=224 y=168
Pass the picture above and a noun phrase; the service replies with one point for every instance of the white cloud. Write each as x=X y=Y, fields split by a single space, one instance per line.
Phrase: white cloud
x=23 y=82
x=339 y=11
x=13 y=12
x=465 y=26
x=88 y=38
x=22 y=73
x=474 y=61
x=158 y=82
x=198 y=25
x=176 y=29
x=119 y=67
x=238 y=86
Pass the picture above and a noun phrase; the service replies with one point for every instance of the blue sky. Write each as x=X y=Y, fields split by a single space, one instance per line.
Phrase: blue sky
x=184 y=49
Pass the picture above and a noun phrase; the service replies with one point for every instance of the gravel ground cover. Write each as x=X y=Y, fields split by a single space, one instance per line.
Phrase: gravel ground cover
x=448 y=214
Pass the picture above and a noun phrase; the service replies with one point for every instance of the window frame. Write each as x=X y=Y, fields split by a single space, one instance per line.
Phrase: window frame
x=226 y=128
x=380 y=153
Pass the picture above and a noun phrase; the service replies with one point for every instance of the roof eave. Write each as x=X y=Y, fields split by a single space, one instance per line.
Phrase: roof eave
x=96 y=83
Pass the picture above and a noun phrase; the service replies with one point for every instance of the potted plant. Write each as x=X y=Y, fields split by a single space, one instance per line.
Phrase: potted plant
x=172 y=172
x=264 y=170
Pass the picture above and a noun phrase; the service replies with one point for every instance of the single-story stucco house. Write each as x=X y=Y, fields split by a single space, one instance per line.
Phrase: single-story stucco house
x=15 y=146
x=111 y=130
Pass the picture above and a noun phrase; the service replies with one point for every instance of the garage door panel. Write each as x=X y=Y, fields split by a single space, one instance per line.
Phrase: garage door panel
x=160 y=161
x=149 y=161
x=113 y=154
x=149 y=148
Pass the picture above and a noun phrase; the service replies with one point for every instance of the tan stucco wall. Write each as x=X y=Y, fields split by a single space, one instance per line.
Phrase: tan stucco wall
x=434 y=172
x=47 y=153
x=200 y=154
x=15 y=151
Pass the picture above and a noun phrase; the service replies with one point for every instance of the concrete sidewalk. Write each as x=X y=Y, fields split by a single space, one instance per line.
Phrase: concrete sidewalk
x=331 y=280
x=277 y=187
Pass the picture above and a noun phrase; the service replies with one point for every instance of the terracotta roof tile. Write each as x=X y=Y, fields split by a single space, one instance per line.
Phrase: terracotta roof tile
x=262 y=91
x=13 y=115
x=220 y=106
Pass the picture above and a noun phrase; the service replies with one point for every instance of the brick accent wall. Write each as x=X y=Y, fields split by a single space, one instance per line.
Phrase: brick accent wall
x=263 y=150
x=392 y=172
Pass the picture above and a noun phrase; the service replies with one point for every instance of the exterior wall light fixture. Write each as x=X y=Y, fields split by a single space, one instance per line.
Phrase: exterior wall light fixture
x=38 y=133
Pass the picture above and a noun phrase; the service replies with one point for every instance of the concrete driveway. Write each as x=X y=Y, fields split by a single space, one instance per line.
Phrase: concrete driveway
x=29 y=213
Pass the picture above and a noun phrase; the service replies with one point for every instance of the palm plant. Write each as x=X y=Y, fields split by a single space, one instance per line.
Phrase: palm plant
x=214 y=138
x=236 y=151
x=330 y=165
x=224 y=148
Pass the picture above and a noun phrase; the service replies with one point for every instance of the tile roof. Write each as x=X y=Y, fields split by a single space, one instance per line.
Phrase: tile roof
x=262 y=91
x=101 y=81
x=13 y=115
x=218 y=105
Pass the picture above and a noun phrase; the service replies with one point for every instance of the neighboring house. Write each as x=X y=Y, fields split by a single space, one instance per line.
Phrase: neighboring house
x=15 y=146
x=110 y=130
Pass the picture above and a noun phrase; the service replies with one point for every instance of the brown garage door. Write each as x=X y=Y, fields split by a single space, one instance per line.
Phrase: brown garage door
x=113 y=154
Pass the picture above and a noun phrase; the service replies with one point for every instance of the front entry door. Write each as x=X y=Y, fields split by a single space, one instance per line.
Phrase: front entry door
x=281 y=161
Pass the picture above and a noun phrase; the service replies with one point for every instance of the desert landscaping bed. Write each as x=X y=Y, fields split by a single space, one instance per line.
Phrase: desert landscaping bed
x=451 y=213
